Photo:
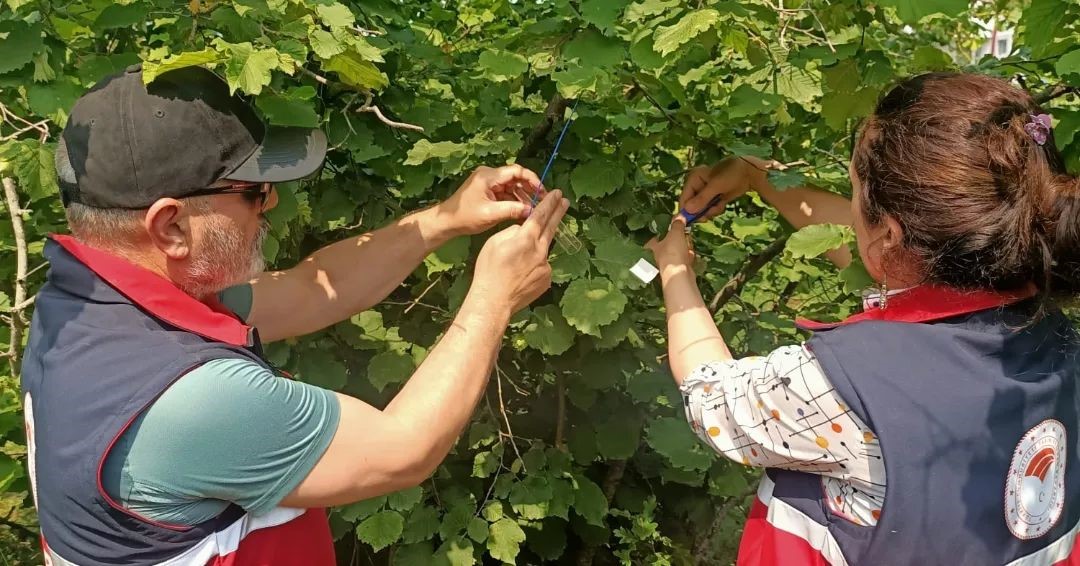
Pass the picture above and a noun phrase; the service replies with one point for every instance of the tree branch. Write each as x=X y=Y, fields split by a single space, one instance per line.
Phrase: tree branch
x=369 y=107
x=534 y=141
x=1055 y=92
x=749 y=269
x=19 y=302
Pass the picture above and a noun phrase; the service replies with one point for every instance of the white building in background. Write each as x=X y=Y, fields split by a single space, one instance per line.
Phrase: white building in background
x=996 y=42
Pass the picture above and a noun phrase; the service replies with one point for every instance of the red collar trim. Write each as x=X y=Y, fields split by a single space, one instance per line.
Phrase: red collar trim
x=159 y=297
x=928 y=303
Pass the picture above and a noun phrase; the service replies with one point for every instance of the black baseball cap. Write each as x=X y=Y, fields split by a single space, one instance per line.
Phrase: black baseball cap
x=127 y=144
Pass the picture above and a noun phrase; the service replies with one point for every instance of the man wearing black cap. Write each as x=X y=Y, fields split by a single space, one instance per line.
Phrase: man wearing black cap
x=157 y=432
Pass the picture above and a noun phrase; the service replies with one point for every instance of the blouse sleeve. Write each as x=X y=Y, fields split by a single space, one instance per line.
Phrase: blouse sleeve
x=780 y=411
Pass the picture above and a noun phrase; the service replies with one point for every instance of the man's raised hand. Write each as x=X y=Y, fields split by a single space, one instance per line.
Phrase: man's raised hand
x=489 y=196
x=512 y=269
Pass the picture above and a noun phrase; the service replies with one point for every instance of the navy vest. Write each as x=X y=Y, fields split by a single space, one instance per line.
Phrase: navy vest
x=94 y=361
x=950 y=402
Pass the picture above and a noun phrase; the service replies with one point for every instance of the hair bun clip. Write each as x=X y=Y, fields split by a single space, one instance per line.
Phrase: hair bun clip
x=1038 y=127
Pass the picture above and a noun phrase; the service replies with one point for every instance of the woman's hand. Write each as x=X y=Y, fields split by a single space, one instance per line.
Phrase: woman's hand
x=729 y=179
x=674 y=250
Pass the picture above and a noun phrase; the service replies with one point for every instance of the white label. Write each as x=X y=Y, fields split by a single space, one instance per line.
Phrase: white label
x=644 y=270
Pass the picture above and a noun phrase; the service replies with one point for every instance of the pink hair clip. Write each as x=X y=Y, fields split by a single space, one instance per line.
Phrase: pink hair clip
x=1038 y=127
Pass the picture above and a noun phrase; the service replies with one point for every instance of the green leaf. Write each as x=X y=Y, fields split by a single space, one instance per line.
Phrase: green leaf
x=356 y=71
x=423 y=524
x=324 y=44
x=855 y=277
x=748 y=101
x=596 y=178
x=530 y=498
x=121 y=16
x=504 y=540
x=449 y=255
x=335 y=15
x=673 y=439
x=589 y=304
x=362 y=509
x=576 y=79
x=567 y=266
x=284 y=111
x=381 y=529
x=477 y=529
x=641 y=10
x=424 y=150
x=388 y=368
x=595 y=48
x=248 y=69
x=548 y=331
x=601 y=13
x=590 y=501
x=1042 y=20
x=930 y=58
x=786 y=179
x=53 y=99
x=502 y=65
x=458 y=552
x=669 y=38
x=817 y=239
x=405 y=499
x=911 y=11
x=420 y=553
x=34 y=167
x=614 y=257
x=20 y=43
x=617 y=440
x=152 y=69
x=1069 y=64
x=322 y=370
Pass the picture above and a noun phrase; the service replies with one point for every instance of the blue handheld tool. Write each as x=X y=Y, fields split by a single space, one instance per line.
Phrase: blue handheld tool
x=691 y=217
x=554 y=152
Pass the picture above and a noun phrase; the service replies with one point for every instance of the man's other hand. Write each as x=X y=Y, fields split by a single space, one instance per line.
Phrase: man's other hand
x=512 y=269
x=488 y=197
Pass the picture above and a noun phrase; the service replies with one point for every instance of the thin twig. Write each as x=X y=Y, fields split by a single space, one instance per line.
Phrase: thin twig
x=749 y=269
x=18 y=317
x=535 y=138
x=321 y=79
x=506 y=418
x=424 y=292
x=369 y=107
x=560 y=418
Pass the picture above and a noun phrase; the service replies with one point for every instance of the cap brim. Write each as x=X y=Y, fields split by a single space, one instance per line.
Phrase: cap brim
x=286 y=154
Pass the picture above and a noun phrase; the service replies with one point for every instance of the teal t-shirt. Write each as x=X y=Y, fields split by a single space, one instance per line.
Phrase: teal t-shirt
x=228 y=431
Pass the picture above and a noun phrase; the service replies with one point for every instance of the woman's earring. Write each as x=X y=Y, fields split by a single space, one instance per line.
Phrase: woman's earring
x=883 y=300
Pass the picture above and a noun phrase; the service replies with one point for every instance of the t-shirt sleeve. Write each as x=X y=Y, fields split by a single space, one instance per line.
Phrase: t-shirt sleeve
x=238 y=299
x=231 y=430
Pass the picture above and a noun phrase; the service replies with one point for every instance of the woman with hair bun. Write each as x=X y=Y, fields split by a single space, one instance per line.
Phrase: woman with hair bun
x=939 y=425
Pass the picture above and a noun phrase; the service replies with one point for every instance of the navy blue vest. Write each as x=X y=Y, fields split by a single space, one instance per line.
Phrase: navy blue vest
x=94 y=361
x=949 y=402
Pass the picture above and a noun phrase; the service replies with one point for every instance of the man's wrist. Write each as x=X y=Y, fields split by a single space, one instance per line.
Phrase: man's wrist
x=482 y=307
x=436 y=227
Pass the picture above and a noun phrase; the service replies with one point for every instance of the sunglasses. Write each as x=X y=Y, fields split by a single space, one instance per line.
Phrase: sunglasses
x=257 y=193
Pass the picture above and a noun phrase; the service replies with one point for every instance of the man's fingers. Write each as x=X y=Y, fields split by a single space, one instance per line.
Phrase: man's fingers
x=506 y=177
x=540 y=216
x=507 y=210
x=553 y=222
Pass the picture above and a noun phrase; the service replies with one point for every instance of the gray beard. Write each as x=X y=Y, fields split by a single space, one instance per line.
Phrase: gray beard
x=225 y=260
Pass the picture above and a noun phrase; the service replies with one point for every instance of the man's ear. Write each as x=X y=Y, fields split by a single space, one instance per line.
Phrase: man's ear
x=168 y=225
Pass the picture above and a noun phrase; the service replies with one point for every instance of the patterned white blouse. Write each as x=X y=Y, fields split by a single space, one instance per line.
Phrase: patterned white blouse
x=781 y=411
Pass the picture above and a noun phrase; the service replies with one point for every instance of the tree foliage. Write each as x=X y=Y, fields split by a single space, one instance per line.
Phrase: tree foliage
x=579 y=452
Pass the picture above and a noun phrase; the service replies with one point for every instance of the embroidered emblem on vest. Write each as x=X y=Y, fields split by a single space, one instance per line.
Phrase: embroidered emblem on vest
x=1035 y=485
